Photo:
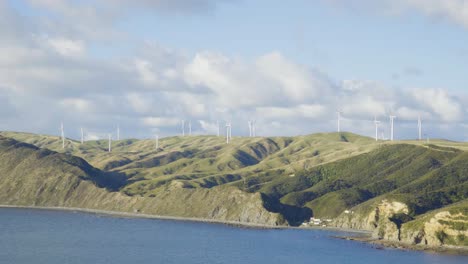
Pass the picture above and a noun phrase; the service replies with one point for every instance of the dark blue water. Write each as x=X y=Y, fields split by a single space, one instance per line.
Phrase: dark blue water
x=38 y=236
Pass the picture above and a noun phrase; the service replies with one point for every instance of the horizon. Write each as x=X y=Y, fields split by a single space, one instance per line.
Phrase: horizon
x=146 y=66
x=223 y=136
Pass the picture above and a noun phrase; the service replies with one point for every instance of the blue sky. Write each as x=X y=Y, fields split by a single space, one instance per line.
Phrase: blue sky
x=159 y=57
x=347 y=44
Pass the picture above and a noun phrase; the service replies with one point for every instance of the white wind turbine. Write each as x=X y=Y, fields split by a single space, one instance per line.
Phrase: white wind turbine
x=392 y=118
x=383 y=136
x=419 y=128
x=62 y=134
x=339 y=112
x=156 y=143
x=183 y=128
x=110 y=142
x=376 y=123
x=228 y=132
x=250 y=128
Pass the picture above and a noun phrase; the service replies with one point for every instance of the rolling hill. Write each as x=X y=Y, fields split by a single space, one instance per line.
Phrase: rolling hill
x=391 y=188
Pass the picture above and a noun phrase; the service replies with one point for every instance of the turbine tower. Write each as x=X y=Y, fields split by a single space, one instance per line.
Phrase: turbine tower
x=339 y=112
x=392 y=118
x=419 y=128
x=228 y=132
x=156 y=142
x=250 y=128
x=377 y=123
x=183 y=128
x=82 y=135
x=110 y=142
x=62 y=134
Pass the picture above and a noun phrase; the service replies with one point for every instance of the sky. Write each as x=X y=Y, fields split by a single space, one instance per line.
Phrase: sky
x=146 y=65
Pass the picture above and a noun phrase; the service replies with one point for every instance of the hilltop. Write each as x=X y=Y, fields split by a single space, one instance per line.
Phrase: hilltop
x=391 y=188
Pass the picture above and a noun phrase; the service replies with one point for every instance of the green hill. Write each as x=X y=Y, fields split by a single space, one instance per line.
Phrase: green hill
x=30 y=176
x=386 y=187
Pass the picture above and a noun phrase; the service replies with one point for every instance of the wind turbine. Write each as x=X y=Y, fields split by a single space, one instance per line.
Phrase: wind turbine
x=250 y=128
x=183 y=128
x=110 y=142
x=377 y=123
x=156 y=142
x=383 y=136
x=62 y=134
x=339 y=112
x=228 y=132
x=419 y=128
x=82 y=135
x=392 y=118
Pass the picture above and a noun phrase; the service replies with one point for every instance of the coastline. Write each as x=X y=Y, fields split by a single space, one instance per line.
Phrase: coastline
x=182 y=219
x=362 y=236
x=383 y=244
x=120 y=214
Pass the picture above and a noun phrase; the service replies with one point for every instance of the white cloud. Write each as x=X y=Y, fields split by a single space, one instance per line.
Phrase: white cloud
x=160 y=121
x=441 y=103
x=297 y=112
x=139 y=102
x=67 y=47
x=178 y=6
x=407 y=113
x=452 y=10
x=270 y=79
x=210 y=127
x=146 y=72
x=157 y=87
x=77 y=104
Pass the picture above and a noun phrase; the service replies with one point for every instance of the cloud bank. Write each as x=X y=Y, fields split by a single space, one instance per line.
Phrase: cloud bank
x=48 y=75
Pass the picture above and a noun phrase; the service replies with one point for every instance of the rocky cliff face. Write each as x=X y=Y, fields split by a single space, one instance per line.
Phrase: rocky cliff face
x=390 y=220
x=441 y=228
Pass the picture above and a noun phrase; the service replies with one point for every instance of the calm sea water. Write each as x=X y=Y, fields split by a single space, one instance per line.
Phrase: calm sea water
x=38 y=236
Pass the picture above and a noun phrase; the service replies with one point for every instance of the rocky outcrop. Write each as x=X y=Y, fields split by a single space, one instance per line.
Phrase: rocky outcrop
x=390 y=221
x=441 y=228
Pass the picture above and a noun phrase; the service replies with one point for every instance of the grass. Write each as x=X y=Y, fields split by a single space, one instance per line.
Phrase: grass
x=320 y=174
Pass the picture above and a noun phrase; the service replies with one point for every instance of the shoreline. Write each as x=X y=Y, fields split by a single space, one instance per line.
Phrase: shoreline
x=120 y=214
x=362 y=236
x=386 y=244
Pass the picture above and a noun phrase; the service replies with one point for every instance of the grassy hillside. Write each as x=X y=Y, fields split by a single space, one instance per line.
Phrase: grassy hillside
x=285 y=178
x=30 y=176
x=424 y=177
x=205 y=161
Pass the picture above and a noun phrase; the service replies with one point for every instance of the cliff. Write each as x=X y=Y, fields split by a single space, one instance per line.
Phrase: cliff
x=391 y=221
